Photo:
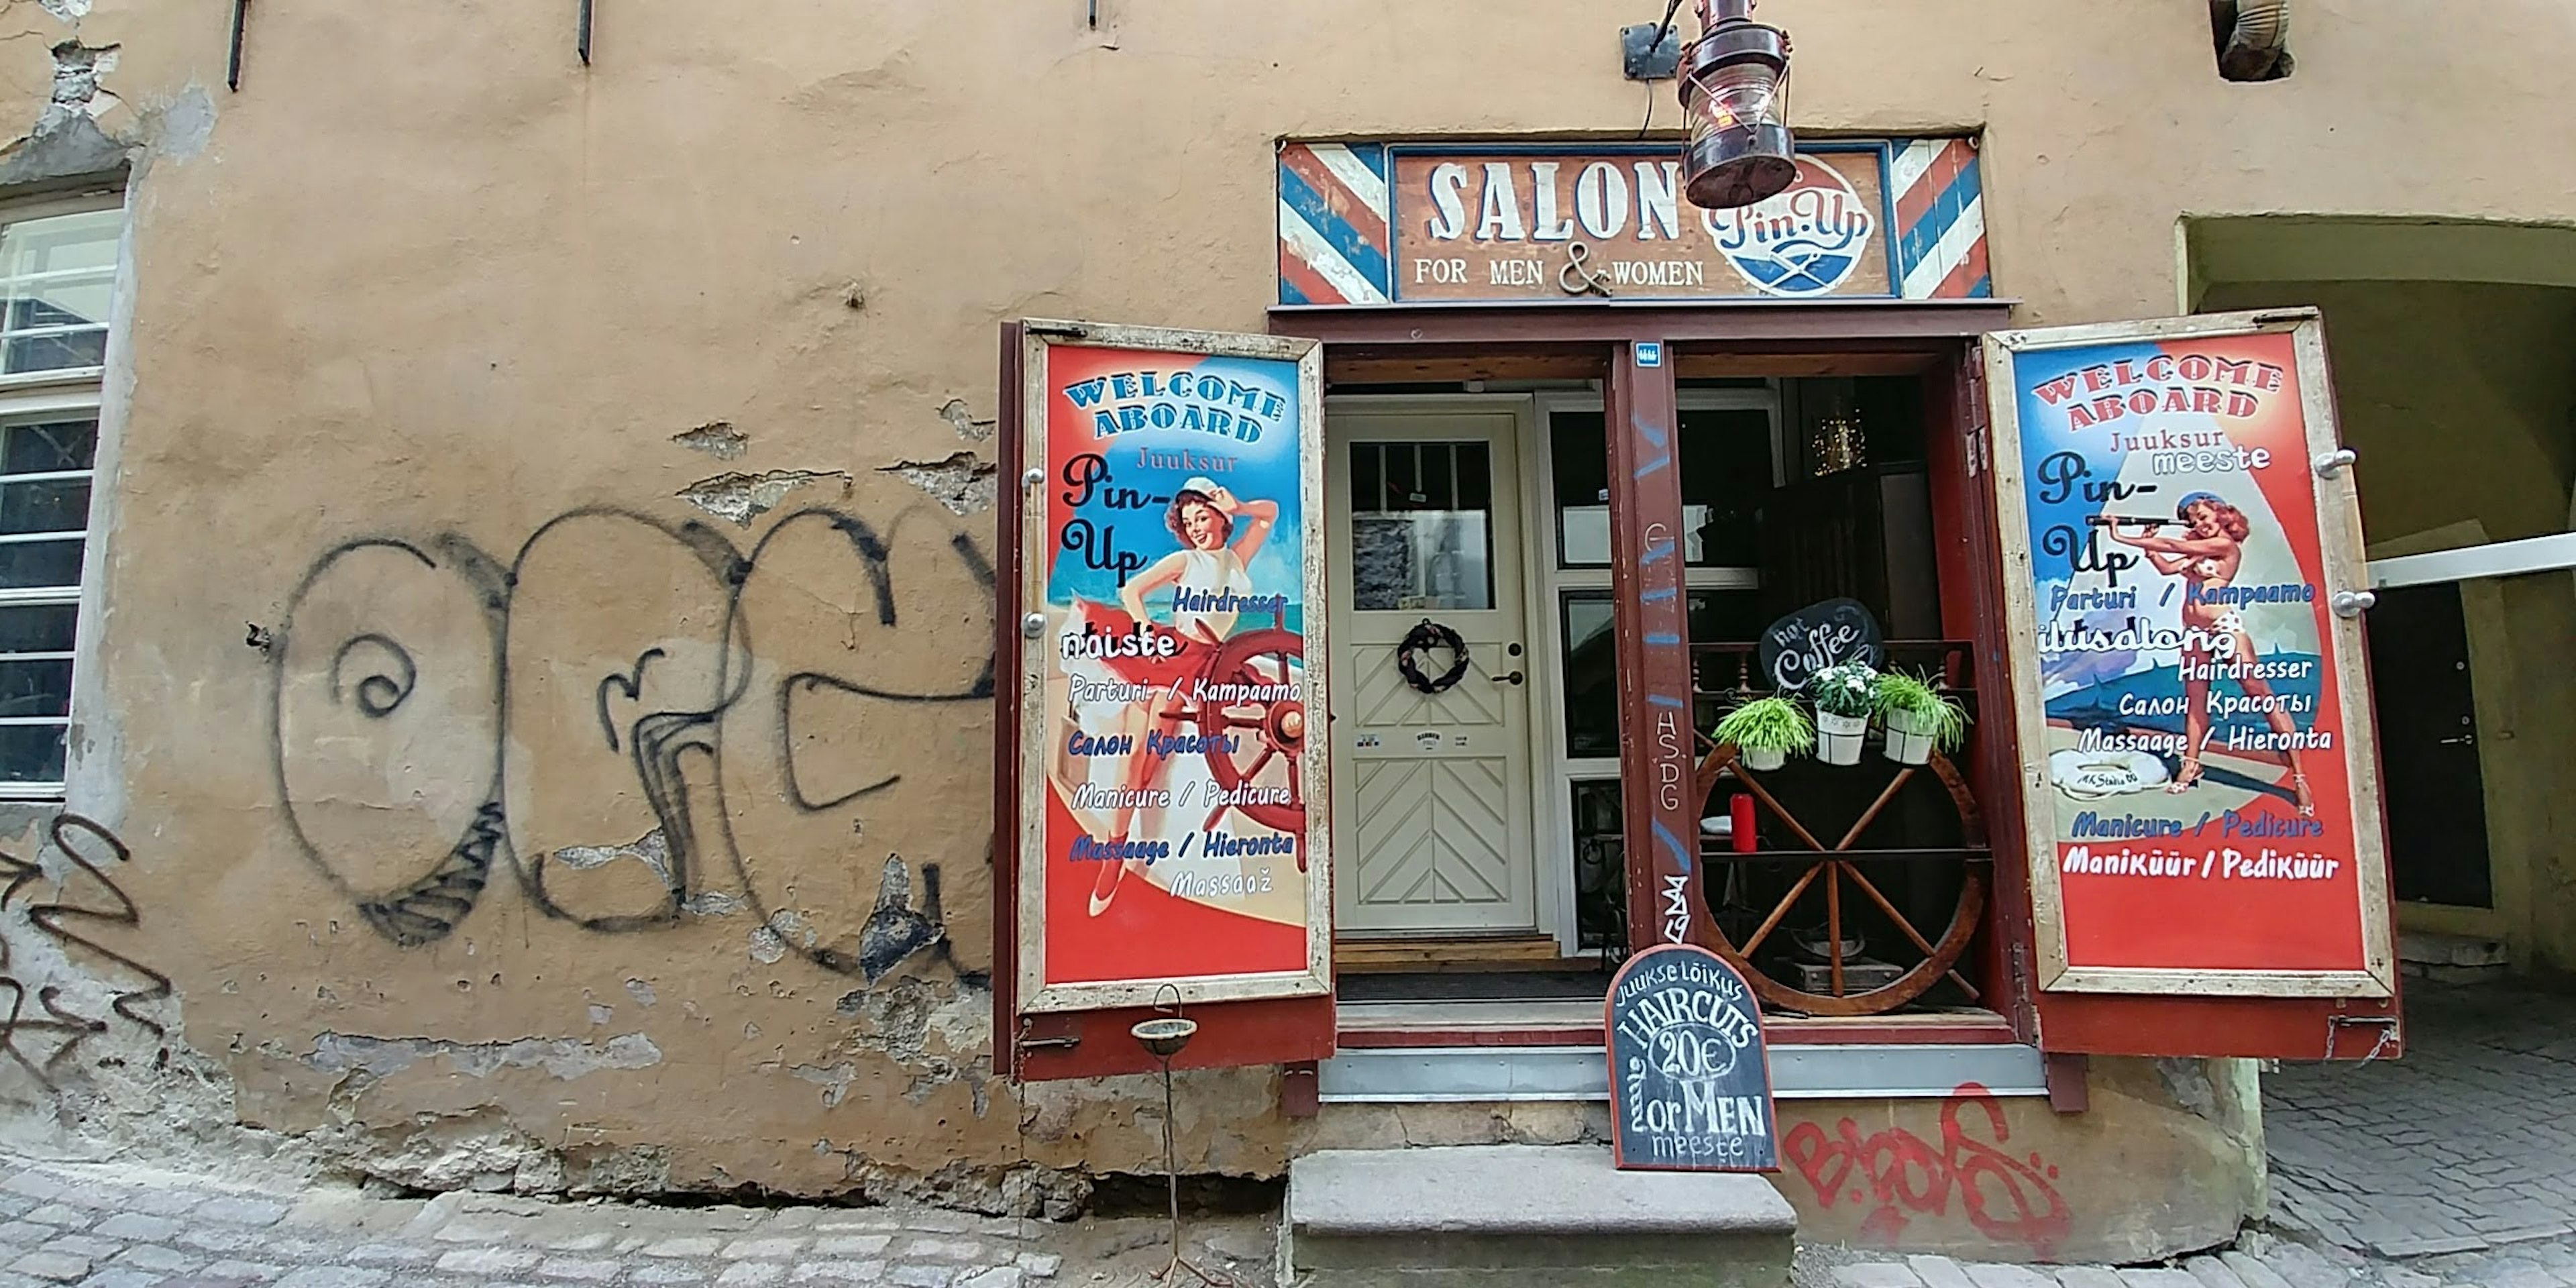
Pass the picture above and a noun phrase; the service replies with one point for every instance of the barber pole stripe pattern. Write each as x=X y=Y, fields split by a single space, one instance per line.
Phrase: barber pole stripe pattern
x=1940 y=221
x=1335 y=246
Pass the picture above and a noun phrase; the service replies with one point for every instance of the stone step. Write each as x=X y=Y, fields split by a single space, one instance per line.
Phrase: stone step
x=1521 y=1216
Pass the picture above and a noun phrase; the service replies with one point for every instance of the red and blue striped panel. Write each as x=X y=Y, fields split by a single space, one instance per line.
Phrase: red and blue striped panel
x=1334 y=243
x=1940 y=221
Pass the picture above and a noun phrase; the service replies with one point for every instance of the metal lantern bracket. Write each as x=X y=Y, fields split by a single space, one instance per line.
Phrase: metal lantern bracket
x=1648 y=51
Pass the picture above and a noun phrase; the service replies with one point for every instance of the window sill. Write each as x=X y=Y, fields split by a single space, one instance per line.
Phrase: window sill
x=37 y=381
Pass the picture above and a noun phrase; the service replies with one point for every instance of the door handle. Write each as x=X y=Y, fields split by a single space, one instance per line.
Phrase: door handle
x=1513 y=677
x=2464 y=740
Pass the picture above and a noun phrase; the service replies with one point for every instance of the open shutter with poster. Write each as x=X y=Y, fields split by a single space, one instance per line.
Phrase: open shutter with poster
x=1161 y=840
x=2183 y=580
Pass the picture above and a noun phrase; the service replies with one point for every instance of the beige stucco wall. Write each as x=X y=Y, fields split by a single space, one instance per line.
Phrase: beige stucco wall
x=424 y=278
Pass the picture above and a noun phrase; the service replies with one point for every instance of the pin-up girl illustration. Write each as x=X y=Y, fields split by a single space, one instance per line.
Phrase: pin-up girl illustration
x=1218 y=533
x=2207 y=557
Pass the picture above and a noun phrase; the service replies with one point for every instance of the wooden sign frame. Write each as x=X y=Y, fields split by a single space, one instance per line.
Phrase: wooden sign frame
x=2344 y=567
x=1026 y=793
x=1751 y=1006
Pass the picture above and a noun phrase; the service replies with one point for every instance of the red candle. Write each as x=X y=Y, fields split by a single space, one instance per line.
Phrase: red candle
x=1739 y=812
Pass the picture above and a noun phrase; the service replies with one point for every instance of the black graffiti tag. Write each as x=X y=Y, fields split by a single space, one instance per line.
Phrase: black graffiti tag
x=432 y=662
x=89 y=848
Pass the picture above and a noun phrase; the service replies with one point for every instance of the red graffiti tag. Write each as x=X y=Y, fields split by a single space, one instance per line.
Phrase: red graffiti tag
x=2005 y=1198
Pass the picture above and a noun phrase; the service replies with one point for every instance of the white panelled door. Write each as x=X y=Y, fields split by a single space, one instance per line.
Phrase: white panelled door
x=1431 y=802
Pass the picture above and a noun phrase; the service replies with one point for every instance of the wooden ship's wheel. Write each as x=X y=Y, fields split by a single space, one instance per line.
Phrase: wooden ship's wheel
x=1849 y=894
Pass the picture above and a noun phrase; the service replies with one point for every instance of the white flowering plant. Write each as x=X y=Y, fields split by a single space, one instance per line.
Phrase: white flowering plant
x=1848 y=689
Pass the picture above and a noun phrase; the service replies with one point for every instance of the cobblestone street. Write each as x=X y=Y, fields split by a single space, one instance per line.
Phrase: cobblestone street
x=103 y=1228
x=2453 y=1166
x=2467 y=1142
x=2260 y=1261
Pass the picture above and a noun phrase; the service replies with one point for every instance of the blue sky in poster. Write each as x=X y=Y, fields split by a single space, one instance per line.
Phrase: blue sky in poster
x=1154 y=462
x=2044 y=433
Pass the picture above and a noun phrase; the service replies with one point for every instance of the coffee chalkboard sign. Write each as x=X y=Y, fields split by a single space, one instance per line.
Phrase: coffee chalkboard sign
x=1690 y=1073
x=1836 y=631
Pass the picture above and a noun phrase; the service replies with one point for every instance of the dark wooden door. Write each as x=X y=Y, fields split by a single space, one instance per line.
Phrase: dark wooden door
x=2428 y=746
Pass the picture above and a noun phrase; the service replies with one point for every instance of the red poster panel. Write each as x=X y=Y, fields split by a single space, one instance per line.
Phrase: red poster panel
x=2181 y=554
x=1167 y=816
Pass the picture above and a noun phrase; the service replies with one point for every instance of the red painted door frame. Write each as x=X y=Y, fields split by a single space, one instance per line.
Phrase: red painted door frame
x=1651 y=629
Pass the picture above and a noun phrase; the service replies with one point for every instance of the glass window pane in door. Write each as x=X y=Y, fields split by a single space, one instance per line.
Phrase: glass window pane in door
x=1726 y=480
x=1725 y=476
x=1581 y=467
x=1588 y=667
x=1425 y=541
x=1589 y=676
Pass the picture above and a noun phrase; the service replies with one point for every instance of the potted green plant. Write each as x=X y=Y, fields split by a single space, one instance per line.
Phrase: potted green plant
x=1845 y=696
x=1918 y=717
x=1767 y=731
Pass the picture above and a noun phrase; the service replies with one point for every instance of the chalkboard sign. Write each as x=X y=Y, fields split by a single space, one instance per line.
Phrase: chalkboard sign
x=1690 y=1073
x=1836 y=631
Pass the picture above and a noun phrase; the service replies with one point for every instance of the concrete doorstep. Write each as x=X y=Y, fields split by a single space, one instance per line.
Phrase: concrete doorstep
x=1510 y=1216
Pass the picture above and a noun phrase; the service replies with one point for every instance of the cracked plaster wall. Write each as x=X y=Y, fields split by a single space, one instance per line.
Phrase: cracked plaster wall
x=424 y=274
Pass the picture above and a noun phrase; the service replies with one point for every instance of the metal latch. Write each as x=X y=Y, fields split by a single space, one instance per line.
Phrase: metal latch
x=2386 y=1024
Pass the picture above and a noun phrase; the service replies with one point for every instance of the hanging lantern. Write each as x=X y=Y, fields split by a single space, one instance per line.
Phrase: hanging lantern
x=1735 y=88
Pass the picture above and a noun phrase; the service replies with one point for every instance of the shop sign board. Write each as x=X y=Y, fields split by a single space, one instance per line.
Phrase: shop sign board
x=1690 y=1070
x=1373 y=223
x=2201 y=785
x=1605 y=221
x=1172 y=830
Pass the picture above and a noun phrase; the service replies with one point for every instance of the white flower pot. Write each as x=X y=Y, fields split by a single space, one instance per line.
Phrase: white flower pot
x=1909 y=738
x=1764 y=759
x=1838 y=737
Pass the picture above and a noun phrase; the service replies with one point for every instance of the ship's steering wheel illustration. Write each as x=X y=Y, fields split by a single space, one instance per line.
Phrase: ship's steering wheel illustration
x=1259 y=664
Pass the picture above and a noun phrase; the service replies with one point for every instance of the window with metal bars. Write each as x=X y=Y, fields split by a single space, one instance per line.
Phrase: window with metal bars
x=57 y=279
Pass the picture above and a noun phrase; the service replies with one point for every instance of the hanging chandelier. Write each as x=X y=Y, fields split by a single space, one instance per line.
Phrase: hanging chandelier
x=1735 y=89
